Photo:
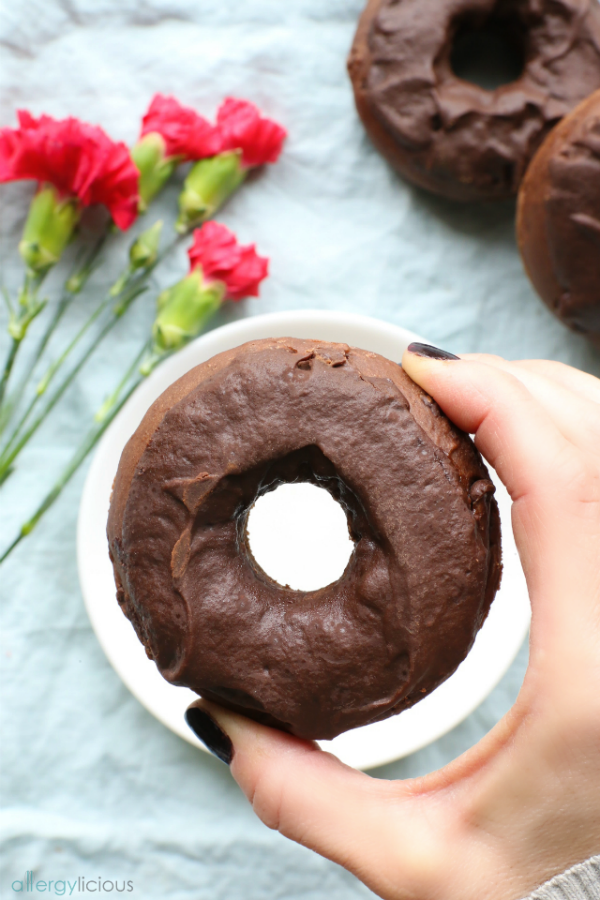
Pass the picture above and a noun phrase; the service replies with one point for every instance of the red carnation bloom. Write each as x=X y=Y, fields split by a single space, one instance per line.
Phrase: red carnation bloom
x=243 y=128
x=80 y=160
x=217 y=253
x=186 y=134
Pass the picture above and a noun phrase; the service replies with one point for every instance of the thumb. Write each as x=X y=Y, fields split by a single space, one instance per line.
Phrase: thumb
x=373 y=828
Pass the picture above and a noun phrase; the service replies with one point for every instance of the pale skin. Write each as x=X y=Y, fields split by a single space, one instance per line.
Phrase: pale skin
x=524 y=803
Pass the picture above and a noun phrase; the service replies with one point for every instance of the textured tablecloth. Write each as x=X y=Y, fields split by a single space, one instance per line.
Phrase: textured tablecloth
x=92 y=785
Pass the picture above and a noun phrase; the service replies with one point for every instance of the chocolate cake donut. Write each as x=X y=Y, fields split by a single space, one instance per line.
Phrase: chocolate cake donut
x=420 y=509
x=447 y=134
x=558 y=219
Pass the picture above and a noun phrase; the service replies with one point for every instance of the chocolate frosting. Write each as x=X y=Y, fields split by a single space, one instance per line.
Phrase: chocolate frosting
x=420 y=508
x=449 y=135
x=558 y=222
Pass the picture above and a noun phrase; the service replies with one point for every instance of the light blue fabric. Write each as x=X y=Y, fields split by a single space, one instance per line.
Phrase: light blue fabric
x=92 y=784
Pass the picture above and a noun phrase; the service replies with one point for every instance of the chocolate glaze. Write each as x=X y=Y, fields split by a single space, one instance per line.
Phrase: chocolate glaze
x=449 y=135
x=420 y=508
x=558 y=219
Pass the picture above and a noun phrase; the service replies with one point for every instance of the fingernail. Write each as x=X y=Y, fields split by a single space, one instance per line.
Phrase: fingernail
x=212 y=735
x=430 y=352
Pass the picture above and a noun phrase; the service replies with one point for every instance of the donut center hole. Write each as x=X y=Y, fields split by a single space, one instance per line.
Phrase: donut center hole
x=490 y=53
x=298 y=534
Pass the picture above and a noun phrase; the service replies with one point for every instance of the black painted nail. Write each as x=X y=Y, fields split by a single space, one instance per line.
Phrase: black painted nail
x=430 y=352
x=212 y=735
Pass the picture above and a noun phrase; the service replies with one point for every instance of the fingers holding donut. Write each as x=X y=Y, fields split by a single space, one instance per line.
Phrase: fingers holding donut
x=582 y=384
x=553 y=477
x=566 y=394
x=498 y=409
x=439 y=837
x=434 y=838
x=376 y=829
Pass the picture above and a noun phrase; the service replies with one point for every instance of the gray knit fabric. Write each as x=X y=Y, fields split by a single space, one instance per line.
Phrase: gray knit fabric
x=582 y=882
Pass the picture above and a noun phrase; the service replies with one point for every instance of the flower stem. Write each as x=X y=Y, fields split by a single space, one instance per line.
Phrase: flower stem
x=113 y=399
x=88 y=444
x=47 y=378
x=10 y=361
x=103 y=419
x=145 y=362
x=131 y=288
x=18 y=322
x=74 y=284
x=12 y=449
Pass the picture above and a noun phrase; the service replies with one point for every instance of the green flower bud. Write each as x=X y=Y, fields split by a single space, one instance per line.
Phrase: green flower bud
x=208 y=185
x=19 y=322
x=75 y=283
x=182 y=312
x=143 y=253
x=49 y=228
x=155 y=169
x=144 y=250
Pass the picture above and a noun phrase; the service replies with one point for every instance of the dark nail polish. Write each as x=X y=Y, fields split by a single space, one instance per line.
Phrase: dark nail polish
x=204 y=726
x=430 y=352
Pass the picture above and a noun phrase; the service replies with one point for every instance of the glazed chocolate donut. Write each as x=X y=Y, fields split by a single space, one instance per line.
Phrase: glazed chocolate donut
x=558 y=219
x=449 y=135
x=420 y=509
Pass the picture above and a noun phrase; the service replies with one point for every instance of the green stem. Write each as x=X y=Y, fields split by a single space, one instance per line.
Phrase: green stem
x=131 y=289
x=10 y=453
x=53 y=368
x=108 y=404
x=19 y=321
x=73 y=286
x=17 y=430
x=149 y=359
x=104 y=417
x=8 y=365
x=75 y=283
x=48 y=376
x=12 y=450
x=88 y=443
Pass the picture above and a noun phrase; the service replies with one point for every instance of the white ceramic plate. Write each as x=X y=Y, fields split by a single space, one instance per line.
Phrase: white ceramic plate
x=372 y=745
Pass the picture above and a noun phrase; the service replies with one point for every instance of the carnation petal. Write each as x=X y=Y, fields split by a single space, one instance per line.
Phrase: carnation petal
x=242 y=127
x=217 y=253
x=78 y=159
x=186 y=134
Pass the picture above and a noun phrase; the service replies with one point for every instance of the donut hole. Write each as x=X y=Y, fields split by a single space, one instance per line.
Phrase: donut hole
x=489 y=53
x=298 y=535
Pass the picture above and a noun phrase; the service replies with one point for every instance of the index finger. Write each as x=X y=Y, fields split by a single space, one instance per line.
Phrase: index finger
x=512 y=430
x=555 y=489
x=580 y=383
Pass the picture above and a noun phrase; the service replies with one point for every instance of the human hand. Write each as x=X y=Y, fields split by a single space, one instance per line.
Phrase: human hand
x=524 y=803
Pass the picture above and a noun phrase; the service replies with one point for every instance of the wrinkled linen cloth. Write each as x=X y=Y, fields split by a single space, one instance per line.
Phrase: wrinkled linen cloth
x=92 y=785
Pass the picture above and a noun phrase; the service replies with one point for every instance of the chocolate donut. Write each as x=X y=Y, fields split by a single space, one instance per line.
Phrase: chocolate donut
x=558 y=219
x=449 y=135
x=420 y=509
